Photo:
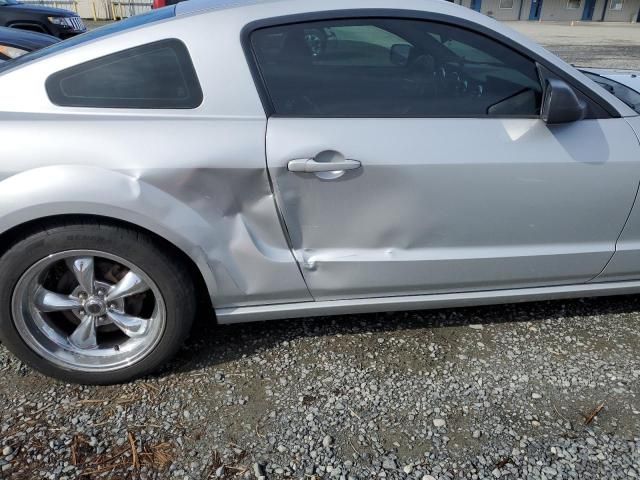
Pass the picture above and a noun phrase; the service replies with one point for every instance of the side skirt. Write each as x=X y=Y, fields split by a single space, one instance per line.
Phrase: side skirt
x=233 y=315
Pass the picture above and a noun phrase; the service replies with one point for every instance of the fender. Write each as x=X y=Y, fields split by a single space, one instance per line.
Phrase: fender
x=220 y=245
x=21 y=24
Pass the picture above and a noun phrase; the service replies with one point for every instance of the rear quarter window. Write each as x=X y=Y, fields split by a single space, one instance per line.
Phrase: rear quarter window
x=158 y=75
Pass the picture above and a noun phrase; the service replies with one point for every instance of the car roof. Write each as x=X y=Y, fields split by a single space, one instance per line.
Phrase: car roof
x=288 y=7
x=253 y=10
x=199 y=5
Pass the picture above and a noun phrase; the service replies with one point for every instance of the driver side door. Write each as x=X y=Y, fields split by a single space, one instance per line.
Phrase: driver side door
x=408 y=157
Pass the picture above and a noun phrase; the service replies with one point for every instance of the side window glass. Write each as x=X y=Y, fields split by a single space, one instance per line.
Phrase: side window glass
x=363 y=45
x=393 y=67
x=464 y=50
x=157 y=75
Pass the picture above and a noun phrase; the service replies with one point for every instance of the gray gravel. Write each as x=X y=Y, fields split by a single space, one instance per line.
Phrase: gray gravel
x=540 y=391
x=497 y=392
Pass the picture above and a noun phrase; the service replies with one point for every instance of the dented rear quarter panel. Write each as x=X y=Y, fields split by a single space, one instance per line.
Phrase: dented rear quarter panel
x=195 y=177
x=212 y=199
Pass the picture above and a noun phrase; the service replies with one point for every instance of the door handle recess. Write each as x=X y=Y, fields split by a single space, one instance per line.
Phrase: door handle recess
x=309 y=165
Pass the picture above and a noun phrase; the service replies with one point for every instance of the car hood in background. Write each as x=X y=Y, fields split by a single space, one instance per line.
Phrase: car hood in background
x=24 y=39
x=50 y=11
x=628 y=78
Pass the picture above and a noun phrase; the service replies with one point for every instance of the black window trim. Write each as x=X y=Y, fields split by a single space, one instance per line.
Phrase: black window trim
x=398 y=14
x=189 y=71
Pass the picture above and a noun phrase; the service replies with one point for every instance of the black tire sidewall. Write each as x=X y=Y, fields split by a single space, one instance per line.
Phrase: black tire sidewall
x=139 y=249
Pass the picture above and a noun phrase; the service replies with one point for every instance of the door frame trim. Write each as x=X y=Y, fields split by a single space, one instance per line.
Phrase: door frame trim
x=363 y=13
x=233 y=315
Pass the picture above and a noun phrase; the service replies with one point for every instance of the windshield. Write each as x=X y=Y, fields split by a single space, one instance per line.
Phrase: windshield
x=624 y=93
x=131 y=22
x=8 y=2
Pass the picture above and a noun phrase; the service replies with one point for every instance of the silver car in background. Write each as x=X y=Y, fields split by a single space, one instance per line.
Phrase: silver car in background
x=624 y=84
x=279 y=159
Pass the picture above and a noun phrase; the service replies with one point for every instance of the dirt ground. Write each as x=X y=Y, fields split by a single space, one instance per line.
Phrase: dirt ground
x=608 y=45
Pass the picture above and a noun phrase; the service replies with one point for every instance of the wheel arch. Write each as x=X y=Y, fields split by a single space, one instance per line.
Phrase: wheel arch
x=77 y=191
x=228 y=241
x=29 y=25
x=10 y=237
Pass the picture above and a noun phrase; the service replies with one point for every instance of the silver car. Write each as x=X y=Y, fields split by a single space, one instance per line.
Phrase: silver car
x=624 y=84
x=279 y=159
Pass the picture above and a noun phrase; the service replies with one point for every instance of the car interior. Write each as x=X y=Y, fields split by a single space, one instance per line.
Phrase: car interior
x=393 y=68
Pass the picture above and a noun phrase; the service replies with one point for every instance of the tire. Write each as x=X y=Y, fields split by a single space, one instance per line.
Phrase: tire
x=105 y=335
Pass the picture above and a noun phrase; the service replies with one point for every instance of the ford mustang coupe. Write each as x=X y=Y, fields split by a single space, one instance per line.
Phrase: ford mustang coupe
x=301 y=158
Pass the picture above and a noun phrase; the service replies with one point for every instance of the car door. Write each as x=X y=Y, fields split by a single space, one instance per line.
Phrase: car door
x=409 y=157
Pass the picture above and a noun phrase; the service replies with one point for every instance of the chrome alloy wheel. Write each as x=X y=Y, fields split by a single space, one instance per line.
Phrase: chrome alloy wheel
x=88 y=310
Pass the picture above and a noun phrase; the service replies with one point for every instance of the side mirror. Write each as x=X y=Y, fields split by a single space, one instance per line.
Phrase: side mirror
x=400 y=54
x=561 y=104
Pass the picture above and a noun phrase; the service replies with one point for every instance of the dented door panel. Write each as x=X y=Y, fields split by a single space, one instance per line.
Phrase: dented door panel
x=451 y=205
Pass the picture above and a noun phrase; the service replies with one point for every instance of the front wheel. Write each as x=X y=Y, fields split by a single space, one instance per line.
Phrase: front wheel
x=93 y=303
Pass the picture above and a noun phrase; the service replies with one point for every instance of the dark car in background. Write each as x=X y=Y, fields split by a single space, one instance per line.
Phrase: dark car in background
x=15 y=43
x=37 y=18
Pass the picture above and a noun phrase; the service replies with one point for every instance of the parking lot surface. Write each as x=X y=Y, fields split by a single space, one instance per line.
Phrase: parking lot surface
x=606 y=45
x=542 y=391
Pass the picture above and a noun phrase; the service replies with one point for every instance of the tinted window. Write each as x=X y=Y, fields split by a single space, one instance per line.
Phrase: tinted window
x=392 y=67
x=156 y=75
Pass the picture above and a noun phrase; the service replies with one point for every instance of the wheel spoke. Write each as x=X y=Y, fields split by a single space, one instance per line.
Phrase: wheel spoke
x=132 y=327
x=84 y=336
x=130 y=284
x=48 y=301
x=82 y=268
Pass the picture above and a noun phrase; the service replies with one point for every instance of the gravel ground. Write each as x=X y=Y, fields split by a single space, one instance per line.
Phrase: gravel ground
x=497 y=392
x=541 y=391
x=606 y=45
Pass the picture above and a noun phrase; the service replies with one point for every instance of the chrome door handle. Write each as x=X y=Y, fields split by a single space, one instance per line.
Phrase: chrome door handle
x=309 y=165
